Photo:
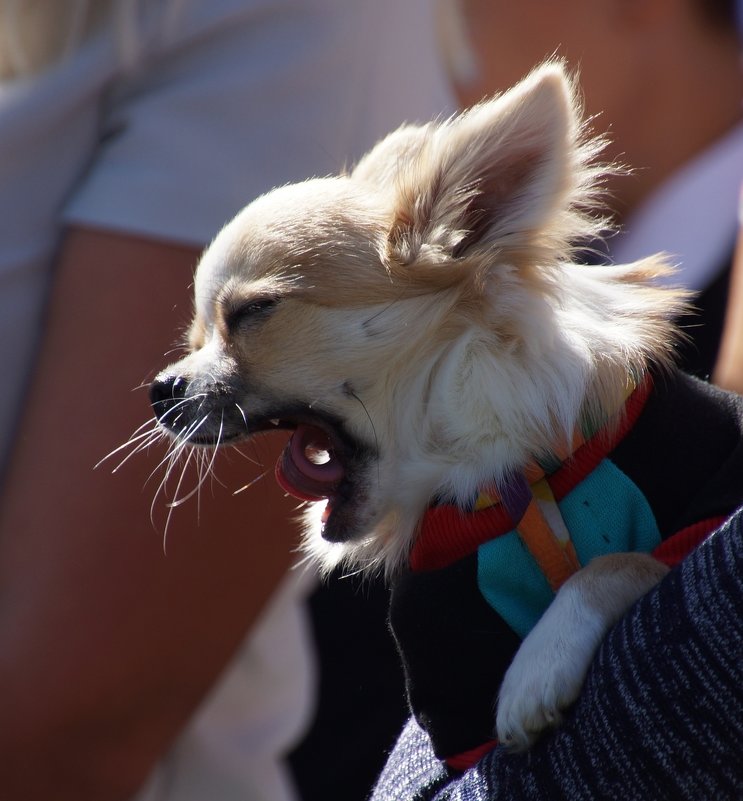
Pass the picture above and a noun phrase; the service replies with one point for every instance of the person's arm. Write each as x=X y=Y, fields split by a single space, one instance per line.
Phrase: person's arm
x=728 y=371
x=107 y=644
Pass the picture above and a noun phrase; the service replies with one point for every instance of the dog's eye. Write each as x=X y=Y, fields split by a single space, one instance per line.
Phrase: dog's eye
x=249 y=311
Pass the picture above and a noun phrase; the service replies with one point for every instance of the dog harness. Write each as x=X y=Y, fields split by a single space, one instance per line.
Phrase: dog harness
x=480 y=579
x=526 y=503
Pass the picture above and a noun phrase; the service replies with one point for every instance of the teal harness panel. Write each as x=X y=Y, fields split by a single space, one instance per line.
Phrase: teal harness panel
x=604 y=513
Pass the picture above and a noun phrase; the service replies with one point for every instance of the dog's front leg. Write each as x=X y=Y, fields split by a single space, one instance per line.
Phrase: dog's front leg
x=549 y=668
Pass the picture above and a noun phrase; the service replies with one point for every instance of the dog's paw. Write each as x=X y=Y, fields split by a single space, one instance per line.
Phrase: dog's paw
x=546 y=674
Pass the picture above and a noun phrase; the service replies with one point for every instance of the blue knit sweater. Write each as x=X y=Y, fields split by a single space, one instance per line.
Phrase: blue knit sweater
x=660 y=717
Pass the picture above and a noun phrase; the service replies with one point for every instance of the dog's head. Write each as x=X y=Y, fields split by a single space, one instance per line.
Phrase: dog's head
x=413 y=321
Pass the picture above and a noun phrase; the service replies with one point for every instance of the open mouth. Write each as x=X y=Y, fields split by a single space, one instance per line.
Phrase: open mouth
x=322 y=462
x=310 y=468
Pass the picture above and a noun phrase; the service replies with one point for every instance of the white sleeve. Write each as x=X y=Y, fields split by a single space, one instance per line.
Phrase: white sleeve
x=243 y=97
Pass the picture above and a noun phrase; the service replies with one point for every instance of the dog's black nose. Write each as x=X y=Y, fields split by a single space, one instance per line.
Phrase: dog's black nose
x=166 y=393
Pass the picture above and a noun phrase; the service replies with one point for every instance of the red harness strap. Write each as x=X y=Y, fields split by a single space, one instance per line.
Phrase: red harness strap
x=679 y=545
x=448 y=533
x=467 y=759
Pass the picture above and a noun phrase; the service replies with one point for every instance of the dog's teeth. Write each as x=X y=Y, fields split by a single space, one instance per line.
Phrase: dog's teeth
x=274 y=422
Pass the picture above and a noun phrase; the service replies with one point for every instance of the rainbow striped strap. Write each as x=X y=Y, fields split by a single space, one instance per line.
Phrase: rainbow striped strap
x=528 y=499
x=541 y=527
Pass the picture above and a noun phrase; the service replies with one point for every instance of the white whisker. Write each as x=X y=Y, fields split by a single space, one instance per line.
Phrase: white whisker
x=258 y=462
x=172 y=506
x=203 y=471
x=250 y=483
x=243 y=415
x=148 y=440
x=135 y=437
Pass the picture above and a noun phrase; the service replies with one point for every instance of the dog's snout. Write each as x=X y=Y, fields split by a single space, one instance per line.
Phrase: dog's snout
x=167 y=392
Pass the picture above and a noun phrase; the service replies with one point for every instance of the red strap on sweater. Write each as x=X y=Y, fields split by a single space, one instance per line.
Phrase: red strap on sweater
x=679 y=545
x=467 y=759
x=448 y=533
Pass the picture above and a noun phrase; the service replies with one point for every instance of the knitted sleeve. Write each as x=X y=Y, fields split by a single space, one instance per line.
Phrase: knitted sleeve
x=660 y=716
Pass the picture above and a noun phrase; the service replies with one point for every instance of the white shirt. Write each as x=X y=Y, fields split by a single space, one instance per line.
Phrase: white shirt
x=693 y=216
x=171 y=137
x=167 y=132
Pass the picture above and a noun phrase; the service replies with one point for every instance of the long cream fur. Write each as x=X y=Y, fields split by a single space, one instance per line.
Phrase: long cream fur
x=501 y=341
x=436 y=279
x=429 y=301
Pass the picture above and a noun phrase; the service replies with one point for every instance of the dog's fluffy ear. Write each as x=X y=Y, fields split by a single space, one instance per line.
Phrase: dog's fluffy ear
x=493 y=176
x=383 y=163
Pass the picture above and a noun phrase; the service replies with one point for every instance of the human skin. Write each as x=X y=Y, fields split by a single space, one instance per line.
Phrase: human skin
x=107 y=644
x=646 y=68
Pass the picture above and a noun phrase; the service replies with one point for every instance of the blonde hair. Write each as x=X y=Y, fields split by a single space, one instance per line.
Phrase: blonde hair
x=37 y=34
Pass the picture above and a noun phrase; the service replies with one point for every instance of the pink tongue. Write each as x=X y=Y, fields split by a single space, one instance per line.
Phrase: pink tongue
x=302 y=477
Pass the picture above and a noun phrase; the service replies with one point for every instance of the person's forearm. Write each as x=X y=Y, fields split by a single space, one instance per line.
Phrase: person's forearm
x=107 y=644
x=728 y=371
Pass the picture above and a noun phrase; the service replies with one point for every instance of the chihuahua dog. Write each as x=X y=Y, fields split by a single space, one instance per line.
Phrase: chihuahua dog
x=496 y=427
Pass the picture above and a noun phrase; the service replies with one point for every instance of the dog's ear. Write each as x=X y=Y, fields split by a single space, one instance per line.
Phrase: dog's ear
x=384 y=162
x=493 y=176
